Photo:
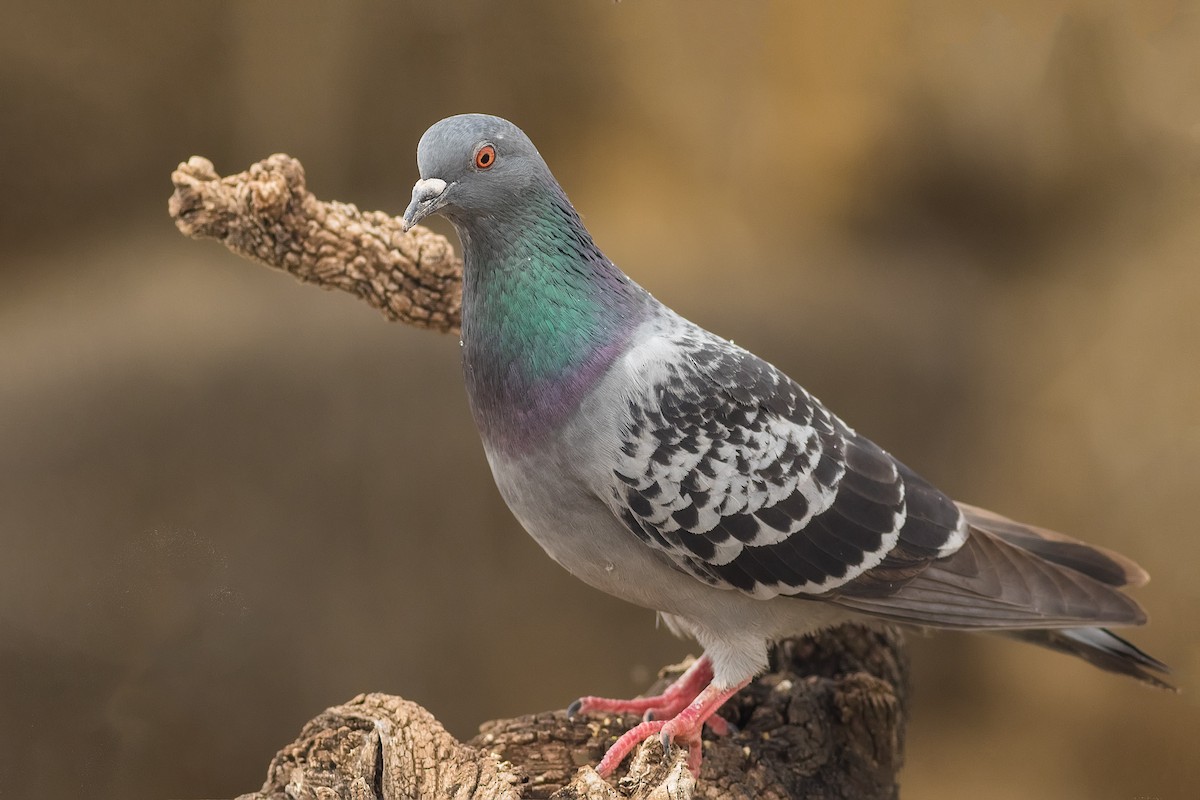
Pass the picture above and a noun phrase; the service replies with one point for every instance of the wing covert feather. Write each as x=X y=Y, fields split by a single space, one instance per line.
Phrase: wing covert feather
x=747 y=482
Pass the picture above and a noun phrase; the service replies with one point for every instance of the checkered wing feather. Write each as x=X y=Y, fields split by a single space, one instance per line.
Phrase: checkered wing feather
x=747 y=482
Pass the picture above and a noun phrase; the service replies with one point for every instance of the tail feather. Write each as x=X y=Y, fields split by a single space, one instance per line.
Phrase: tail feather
x=1101 y=648
x=1104 y=565
x=1025 y=583
x=990 y=583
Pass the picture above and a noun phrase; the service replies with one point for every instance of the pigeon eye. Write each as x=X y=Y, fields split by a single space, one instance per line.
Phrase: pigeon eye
x=485 y=157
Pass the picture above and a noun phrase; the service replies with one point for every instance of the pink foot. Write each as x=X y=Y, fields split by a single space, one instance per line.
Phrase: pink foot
x=684 y=727
x=674 y=699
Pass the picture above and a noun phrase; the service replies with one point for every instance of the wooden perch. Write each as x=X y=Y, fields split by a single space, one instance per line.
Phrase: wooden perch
x=266 y=214
x=826 y=721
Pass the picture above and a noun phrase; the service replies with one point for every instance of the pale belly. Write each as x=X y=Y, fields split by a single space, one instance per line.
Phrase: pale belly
x=582 y=534
x=579 y=532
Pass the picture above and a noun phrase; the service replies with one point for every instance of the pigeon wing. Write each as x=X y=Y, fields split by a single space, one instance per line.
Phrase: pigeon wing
x=747 y=482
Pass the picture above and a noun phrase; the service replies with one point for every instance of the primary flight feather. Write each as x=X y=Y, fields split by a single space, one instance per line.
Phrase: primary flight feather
x=663 y=464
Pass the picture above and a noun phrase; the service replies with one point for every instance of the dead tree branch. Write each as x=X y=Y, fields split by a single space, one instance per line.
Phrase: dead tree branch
x=267 y=214
x=827 y=720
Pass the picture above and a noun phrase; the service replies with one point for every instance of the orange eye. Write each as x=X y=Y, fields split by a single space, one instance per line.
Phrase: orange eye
x=485 y=157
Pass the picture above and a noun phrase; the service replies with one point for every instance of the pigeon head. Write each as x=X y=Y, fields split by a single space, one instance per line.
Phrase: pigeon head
x=473 y=164
x=545 y=312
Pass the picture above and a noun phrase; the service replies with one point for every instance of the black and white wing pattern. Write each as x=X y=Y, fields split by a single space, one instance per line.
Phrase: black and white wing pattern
x=747 y=482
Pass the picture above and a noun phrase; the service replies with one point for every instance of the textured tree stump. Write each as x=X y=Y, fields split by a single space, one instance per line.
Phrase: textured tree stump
x=827 y=720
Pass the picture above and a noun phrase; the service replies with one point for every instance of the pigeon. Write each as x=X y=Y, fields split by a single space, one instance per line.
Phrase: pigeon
x=663 y=464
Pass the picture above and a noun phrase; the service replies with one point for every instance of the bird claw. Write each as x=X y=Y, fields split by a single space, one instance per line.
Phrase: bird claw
x=625 y=744
x=688 y=738
x=668 y=715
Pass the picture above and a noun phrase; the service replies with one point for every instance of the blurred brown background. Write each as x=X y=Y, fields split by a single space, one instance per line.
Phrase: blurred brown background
x=228 y=501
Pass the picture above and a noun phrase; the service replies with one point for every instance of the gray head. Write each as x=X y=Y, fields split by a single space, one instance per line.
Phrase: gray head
x=473 y=164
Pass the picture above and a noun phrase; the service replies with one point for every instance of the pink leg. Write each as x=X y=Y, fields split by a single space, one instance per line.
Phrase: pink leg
x=684 y=726
x=673 y=699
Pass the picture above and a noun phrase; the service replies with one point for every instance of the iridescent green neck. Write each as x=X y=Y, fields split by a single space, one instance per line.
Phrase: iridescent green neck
x=544 y=315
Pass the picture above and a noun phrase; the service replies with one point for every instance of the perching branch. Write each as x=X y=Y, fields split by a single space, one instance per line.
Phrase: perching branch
x=267 y=214
x=827 y=721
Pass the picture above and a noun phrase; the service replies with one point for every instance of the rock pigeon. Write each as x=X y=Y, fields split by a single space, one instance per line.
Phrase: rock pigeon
x=667 y=466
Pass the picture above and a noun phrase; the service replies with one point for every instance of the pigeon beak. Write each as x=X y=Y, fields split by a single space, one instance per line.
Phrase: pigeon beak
x=428 y=196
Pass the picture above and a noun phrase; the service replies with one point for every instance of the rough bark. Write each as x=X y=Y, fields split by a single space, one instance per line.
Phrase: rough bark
x=267 y=214
x=827 y=720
